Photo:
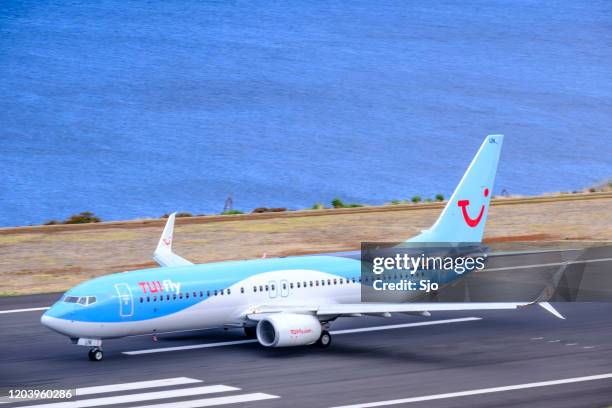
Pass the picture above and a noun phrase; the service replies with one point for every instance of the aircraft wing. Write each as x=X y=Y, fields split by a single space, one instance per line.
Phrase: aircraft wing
x=385 y=309
x=163 y=254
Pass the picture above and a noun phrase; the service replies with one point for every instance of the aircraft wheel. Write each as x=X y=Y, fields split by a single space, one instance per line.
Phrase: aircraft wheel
x=250 y=331
x=96 y=354
x=325 y=339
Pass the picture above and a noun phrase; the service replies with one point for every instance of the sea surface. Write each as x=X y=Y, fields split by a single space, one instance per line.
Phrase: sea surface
x=138 y=108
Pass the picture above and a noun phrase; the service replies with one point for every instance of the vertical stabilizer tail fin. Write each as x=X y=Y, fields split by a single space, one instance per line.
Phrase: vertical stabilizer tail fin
x=463 y=219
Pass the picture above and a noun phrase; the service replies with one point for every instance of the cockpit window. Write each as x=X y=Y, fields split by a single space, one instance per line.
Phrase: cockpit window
x=82 y=300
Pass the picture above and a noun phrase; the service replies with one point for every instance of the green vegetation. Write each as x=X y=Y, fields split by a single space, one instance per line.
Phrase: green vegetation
x=259 y=210
x=338 y=203
x=85 y=217
x=439 y=197
x=416 y=199
x=317 y=206
x=183 y=214
x=232 y=212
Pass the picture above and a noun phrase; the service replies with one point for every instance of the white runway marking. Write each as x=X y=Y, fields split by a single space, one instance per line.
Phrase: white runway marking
x=479 y=391
x=336 y=332
x=31 y=309
x=194 y=346
x=210 y=402
x=166 y=382
x=509 y=268
x=401 y=326
x=146 y=396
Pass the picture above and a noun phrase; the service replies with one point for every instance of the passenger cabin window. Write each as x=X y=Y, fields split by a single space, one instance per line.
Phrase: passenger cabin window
x=241 y=290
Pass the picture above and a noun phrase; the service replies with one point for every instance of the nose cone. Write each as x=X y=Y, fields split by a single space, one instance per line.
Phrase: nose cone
x=54 y=323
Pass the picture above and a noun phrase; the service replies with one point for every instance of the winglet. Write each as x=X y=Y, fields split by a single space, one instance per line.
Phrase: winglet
x=163 y=254
x=548 y=307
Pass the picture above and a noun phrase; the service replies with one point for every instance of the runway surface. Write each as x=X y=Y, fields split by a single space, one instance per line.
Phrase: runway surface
x=522 y=358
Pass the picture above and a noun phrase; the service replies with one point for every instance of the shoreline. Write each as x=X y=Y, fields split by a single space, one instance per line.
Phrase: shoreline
x=299 y=213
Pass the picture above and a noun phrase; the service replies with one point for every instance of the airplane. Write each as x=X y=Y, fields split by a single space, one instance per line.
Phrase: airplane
x=281 y=302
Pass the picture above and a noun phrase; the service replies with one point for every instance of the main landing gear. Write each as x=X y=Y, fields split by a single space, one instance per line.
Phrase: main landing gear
x=96 y=354
x=325 y=339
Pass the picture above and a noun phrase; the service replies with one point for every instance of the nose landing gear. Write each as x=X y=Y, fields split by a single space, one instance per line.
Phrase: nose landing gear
x=96 y=354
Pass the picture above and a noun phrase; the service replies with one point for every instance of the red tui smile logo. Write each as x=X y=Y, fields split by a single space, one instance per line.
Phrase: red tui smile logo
x=167 y=241
x=472 y=222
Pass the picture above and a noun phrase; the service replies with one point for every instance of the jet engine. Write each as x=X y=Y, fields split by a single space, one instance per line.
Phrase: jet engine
x=288 y=329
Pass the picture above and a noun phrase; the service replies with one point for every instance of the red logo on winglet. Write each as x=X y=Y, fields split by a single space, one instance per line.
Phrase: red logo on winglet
x=167 y=242
x=472 y=222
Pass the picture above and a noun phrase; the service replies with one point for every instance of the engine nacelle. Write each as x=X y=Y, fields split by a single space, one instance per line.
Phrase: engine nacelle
x=288 y=329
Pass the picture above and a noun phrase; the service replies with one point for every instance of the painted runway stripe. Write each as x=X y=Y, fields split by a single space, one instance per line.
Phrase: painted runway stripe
x=138 y=385
x=211 y=402
x=166 y=382
x=401 y=326
x=336 y=332
x=194 y=346
x=146 y=396
x=509 y=268
x=479 y=391
x=30 y=309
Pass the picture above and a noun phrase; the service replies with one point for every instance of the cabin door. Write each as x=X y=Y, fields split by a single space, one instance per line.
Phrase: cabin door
x=126 y=302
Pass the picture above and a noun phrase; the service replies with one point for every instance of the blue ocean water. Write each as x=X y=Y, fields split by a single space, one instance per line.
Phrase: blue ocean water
x=133 y=109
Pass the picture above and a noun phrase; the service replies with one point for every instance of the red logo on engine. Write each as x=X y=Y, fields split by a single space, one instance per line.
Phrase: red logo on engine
x=300 y=331
x=472 y=222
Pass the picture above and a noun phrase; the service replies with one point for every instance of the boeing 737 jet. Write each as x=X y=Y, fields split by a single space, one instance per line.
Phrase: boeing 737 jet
x=280 y=301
